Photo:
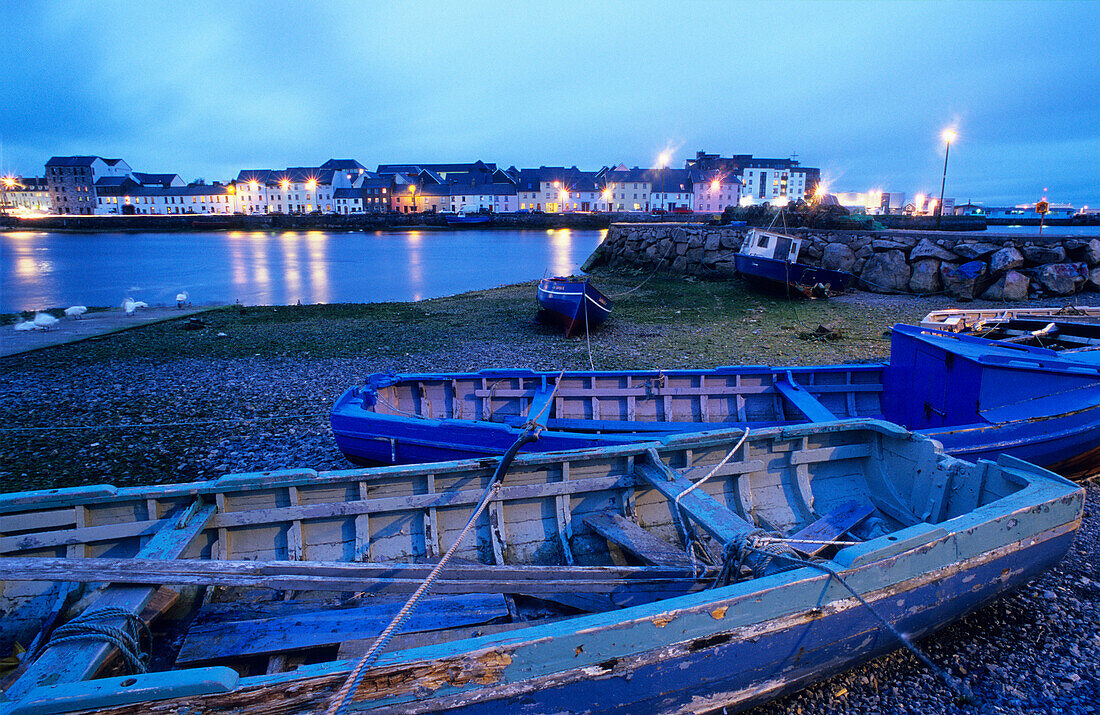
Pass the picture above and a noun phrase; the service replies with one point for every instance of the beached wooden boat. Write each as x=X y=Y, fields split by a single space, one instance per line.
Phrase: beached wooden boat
x=980 y=398
x=576 y=592
x=770 y=260
x=572 y=303
x=1076 y=329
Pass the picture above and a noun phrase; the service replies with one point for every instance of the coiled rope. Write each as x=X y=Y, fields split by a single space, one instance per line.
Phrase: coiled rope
x=340 y=700
x=133 y=639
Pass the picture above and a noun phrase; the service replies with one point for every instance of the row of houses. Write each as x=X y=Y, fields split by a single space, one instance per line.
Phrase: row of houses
x=93 y=185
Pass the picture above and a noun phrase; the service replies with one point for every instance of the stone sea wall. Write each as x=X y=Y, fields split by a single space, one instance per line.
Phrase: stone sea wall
x=990 y=266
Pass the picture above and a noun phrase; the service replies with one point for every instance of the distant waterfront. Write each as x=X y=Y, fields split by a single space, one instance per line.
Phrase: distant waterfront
x=45 y=269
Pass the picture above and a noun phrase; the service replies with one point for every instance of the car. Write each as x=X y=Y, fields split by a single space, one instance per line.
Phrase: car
x=682 y=210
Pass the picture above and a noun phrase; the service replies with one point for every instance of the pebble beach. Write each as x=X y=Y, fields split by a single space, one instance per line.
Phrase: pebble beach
x=251 y=388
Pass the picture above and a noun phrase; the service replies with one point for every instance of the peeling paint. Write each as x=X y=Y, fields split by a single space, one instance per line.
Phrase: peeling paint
x=662 y=621
x=719 y=613
x=484 y=669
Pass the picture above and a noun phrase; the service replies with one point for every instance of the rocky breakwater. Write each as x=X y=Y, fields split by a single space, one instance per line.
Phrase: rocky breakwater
x=965 y=266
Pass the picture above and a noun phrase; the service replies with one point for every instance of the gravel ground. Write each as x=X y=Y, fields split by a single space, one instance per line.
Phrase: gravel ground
x=163 y=404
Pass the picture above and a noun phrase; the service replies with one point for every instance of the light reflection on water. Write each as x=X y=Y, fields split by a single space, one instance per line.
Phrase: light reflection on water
x=40 y=269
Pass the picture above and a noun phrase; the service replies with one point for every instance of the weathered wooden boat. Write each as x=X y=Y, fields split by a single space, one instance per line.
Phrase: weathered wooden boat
x=1068 y=328
x=670 y=576
x=770 y=260
x=572 y=303
x=980 y=398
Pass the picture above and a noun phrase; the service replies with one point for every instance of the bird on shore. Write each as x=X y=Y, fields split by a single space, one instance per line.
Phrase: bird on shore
x=25 y=325
x=181 y=299
x=130 y=305
x=45 y=321
x=76 y=311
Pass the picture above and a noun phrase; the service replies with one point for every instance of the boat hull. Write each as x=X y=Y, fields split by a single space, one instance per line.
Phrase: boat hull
x=742 y=644
x=783 y=275
x=572 y=305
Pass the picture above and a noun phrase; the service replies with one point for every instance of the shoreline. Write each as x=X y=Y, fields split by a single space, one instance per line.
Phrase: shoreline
x=158 y=403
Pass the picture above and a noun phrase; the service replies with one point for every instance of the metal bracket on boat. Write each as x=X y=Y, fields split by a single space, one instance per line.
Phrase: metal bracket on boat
x=125 y=690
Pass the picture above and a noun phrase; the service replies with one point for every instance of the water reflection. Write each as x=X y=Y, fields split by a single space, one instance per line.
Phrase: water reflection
x=317 y=246
x=261 y=274
x=416 y=267
x=42 y=269
x=291 y=266
x=561 y=254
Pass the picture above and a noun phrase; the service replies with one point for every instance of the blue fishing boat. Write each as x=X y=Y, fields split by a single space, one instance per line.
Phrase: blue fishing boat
x=980 y=398
x=770 y=260
x=572 y=303
x=464 y=219
x=698 y=572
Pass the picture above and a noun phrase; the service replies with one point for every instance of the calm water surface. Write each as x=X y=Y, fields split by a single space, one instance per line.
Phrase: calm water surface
x=41 y=269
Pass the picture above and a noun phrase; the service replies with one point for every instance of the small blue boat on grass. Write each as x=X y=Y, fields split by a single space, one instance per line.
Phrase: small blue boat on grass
x=769 y=259
x=978 y=397
x=702 y=571
x=572 y=303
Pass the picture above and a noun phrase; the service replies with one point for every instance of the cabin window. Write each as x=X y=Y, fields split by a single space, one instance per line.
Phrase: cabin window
x=762 y=242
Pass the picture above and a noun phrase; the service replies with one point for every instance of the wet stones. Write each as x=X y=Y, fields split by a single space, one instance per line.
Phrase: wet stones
x=962 y=281
x=925 y=278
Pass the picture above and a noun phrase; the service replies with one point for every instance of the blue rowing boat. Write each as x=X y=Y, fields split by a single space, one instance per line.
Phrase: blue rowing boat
x=978 y=397
x=770 y=260
x=703 y=571
x=572 y=303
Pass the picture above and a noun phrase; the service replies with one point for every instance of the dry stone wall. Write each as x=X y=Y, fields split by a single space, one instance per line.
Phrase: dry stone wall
x=993 y=267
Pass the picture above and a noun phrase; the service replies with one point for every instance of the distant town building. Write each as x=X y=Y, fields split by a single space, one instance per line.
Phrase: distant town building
x=628 y=190
x=21 y=194
x=714 y=189
x=773 y=181
x=294 y=190
x=671 y=189
x=72 y=181
x=558 y=189
x=1028 y=211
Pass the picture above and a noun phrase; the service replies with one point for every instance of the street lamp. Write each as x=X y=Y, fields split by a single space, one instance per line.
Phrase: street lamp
x=948 y=136
x=662 y=164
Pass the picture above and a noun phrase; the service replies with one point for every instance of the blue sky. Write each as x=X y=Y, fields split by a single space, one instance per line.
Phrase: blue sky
x=861 y=90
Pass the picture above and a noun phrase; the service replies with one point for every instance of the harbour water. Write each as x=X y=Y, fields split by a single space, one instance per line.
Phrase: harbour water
x=42 y=269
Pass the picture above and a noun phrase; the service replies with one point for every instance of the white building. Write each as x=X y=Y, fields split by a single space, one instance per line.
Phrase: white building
x=627 y=190
x=294 y=190
x=671 y=190
x=24 y=194
x=714 y=190
x=72 y=181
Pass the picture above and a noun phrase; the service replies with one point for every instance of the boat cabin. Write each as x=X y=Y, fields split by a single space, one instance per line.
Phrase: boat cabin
x=768 y=244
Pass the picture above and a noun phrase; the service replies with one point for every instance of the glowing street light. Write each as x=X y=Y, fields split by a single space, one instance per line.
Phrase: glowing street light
x=819 y=192
x=663 y=160
x=285 y=184
x=948 y=136
x=311 y=184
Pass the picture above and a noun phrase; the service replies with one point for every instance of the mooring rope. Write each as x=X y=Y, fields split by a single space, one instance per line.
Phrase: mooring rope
x=340 y=700
x=128 y=638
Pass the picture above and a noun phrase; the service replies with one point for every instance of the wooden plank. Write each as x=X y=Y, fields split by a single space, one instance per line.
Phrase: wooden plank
x=831 y=526
x=718 y=521
x=806 y=403
x=355 y=649
x=829 y=454
x=636 y=540
x=294 y=547
x=71 y=662
x=362 y=529
x=328 y=626
x=540 y=405
x=563 y=517
x=343 y=576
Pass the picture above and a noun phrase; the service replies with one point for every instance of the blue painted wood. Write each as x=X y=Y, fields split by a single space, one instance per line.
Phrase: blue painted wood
x=803 y=400
x=831 y=526
x=215 y=640
x=126 y=690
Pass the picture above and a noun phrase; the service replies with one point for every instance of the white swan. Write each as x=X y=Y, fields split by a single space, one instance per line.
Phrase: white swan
x=76 y=311
x=25 y=325
x=45 y=321
x=181 y=299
